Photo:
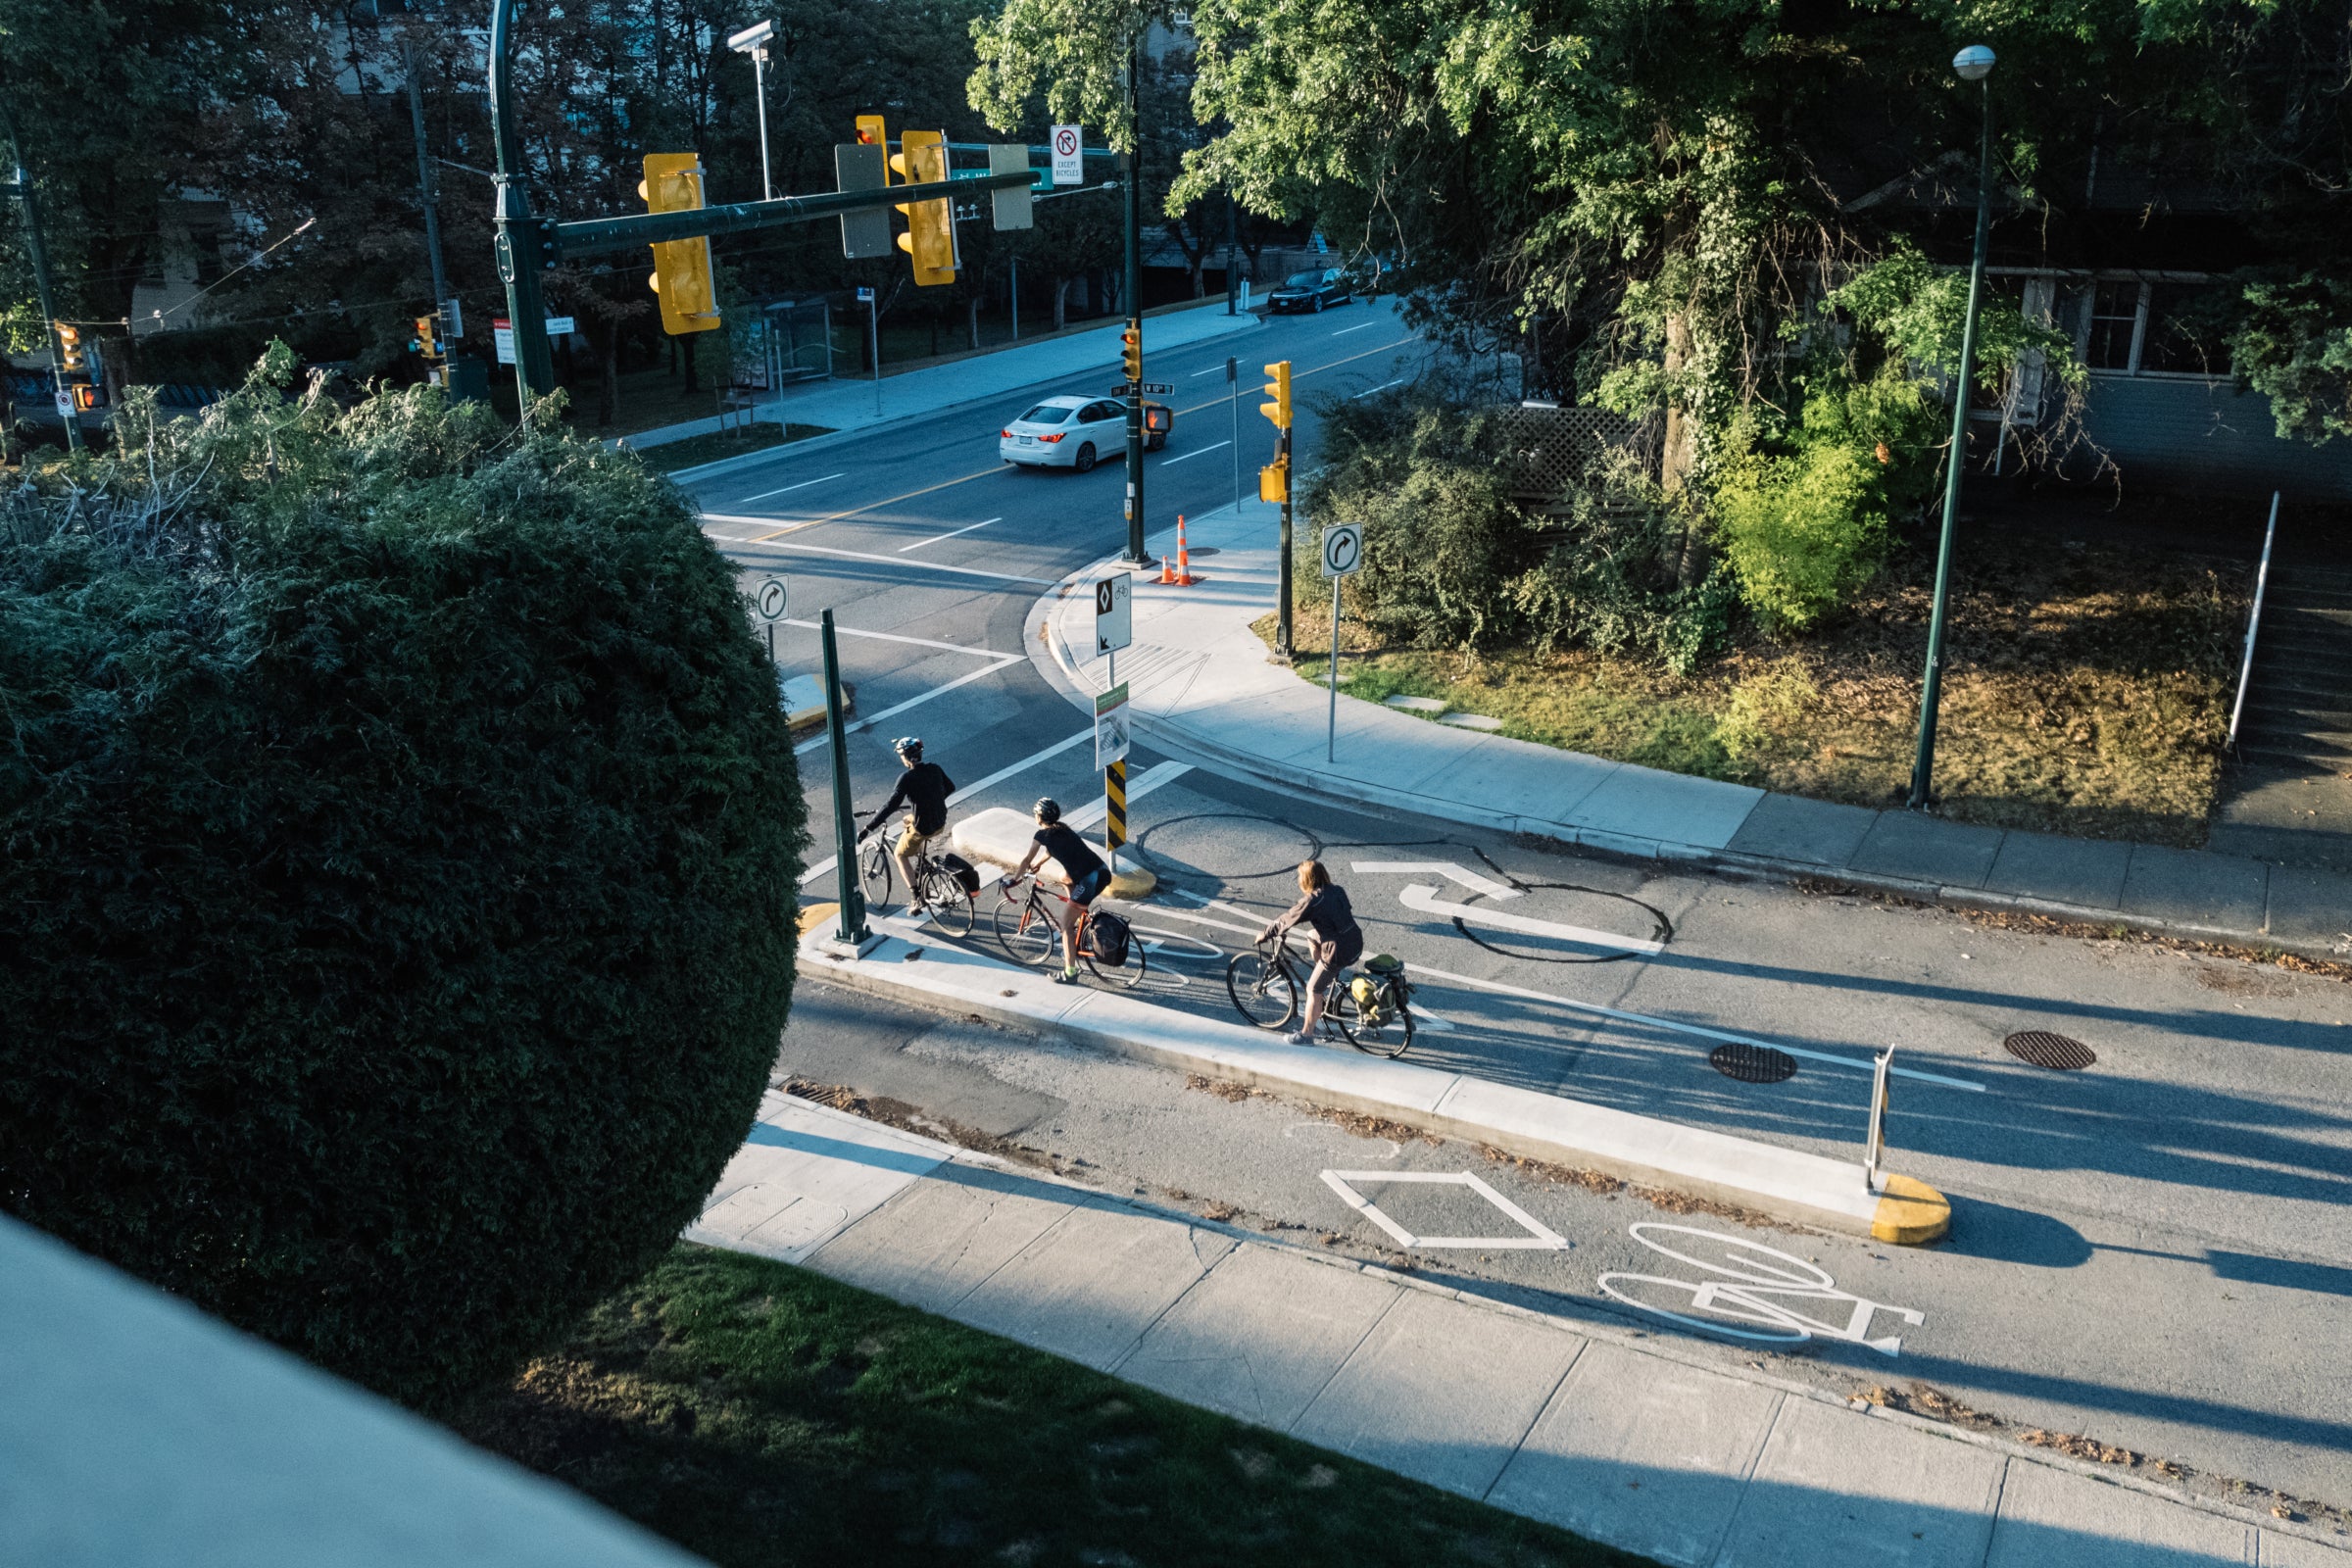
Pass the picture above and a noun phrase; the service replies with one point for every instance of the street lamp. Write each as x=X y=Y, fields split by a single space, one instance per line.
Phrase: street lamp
x=753 y=41
x=1971 y=64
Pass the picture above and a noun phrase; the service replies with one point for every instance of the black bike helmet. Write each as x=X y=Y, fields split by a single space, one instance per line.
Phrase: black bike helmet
x=910 y=745
x=1049 y=809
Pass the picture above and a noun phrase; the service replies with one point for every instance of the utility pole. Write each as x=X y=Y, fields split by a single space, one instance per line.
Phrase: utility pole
x=427 y=190
x=36 y=253
x=1232 y=286
x=524 y=246
x=1133 y=288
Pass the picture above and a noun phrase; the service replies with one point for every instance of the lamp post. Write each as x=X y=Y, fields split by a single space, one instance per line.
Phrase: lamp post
x=753 y=41
x=1971 y=64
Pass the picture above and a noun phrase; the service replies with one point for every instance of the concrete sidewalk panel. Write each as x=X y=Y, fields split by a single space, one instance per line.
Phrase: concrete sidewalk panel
x=1645 y=1454
x=1928 y=849
x=2278 y=1550
x=1260 y=1335
x=932 y=1245
x=1790 y=827
x=1643 y=803
x=1088 y=1287
x=2309 y=906
x=1441 y=1390
x=2193 y=888
x=1887 y=1494
x=2055 y=1516
x=2044 y=865
x=803 y=1176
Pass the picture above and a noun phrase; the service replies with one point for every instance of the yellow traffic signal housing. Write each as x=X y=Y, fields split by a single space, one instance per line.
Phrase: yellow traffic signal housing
x=425 y=343
x=1274 y=481
x=1279 y=389
x=69 y=339
x=85 y=397
x=1131 y=352
x=871 y=133
x=674 y=182
x=930 y=237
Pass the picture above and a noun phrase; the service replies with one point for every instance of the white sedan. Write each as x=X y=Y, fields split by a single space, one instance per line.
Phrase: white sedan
x=1069 y=432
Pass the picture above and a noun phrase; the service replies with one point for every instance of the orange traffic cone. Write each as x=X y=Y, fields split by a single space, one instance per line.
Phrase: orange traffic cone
x=1184 y=556
x=1165 y=575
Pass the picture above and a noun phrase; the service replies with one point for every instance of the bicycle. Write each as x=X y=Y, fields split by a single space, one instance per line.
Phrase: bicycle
x=1026 y=930
x=949 y=894
x=1371 y=1012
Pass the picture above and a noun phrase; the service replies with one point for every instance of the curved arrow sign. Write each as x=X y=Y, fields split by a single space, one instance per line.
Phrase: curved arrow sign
x=1426 y=900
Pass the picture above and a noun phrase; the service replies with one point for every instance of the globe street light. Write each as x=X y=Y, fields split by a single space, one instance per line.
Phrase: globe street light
x=1971 y=64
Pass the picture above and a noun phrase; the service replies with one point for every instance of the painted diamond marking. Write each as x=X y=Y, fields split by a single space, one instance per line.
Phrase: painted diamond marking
x=1536 y=1235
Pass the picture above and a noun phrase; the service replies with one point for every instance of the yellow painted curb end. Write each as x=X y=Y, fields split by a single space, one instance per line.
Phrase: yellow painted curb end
x=1132 y=884
x=1910 y=1213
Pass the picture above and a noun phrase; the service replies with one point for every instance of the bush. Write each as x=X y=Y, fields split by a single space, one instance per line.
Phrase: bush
x=401 y=839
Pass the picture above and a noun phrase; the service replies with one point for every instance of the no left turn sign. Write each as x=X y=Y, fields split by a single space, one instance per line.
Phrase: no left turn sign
x=1342 y=548
x=769 y=599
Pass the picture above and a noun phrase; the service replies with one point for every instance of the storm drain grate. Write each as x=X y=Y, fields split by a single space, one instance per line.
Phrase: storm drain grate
x=1752 y=1065
x=2059 y=1053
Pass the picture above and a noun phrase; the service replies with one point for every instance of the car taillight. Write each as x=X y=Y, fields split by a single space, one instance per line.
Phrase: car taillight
x=1055 y=436
x=1006 y=434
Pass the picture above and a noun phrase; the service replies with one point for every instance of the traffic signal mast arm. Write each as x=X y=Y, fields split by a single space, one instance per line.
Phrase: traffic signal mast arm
x=591 y=236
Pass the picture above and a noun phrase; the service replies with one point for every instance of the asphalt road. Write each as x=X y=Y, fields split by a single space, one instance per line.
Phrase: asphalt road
x=2156 y=1250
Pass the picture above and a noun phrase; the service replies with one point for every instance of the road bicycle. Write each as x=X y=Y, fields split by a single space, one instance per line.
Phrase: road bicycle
x=1025 y=928
x=1371 y=1011
x=947 y=890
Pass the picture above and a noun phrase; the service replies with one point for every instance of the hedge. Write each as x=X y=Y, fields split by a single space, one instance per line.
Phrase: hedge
x=400 y=839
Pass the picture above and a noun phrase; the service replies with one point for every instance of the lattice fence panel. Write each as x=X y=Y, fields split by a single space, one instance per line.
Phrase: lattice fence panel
x=1554 y=447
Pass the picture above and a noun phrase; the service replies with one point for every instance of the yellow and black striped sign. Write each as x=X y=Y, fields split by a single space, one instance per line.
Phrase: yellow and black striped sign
x=1115 y=792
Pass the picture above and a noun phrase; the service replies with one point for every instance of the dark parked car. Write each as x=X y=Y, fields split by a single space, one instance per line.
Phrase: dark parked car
x=1309 y=291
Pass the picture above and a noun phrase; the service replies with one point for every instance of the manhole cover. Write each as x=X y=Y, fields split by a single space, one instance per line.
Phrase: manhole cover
x=2042 y=1048
x=1752 y=1065
x=1202 y=552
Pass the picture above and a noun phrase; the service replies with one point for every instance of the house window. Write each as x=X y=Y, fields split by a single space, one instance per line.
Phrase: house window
x=2114 y=325
x=2188 y=331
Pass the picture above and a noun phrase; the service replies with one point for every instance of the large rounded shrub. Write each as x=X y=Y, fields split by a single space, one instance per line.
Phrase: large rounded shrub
x=397 y=845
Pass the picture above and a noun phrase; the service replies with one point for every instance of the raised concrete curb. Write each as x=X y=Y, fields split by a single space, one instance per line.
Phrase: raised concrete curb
x=1785 y=1184
x=1050 y=654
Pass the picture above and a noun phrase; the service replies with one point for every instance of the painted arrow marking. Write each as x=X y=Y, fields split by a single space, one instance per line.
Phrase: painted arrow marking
x=1451 y=872
x=1426 y=899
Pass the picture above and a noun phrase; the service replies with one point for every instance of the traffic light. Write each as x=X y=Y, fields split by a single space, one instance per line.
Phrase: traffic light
x=1279 y=389
x=930 y=236
x=673 y=183
x=424 y=342
x=87 y=396
x=1131 y=352
x=69 y=339
x=871 y=133
x=1274 y=480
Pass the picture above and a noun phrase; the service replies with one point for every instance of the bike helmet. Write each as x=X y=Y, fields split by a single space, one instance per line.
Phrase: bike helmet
x=909 y=746
x=1049 y=809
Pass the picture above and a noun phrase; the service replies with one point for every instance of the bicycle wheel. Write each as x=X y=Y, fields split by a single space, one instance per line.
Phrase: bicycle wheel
x=1263 y=989
x=873 y=875
x=1393 y=1036
x=1338 y=1010
x=1126 y=975
x=950 y=905
x=1025 y=931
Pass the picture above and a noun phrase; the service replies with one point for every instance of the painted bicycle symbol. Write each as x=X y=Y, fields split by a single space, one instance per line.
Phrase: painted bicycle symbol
x=1754 y=1285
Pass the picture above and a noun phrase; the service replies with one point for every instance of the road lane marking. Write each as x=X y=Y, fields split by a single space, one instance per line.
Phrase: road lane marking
x=1447 y=870
x=788 y=489
x=1150 y=779
x=1300 y=376
x=1426 y=899
x=852 y=512
x=776 y=543
x=1357 y=328
x=950 y=534
x=1211 y=370
x=1169 y=462
x=1741 y=1292
x=911 y=702
x=895 y=637
x=1383 y=387
x=971 y=790
x=1535 y=1233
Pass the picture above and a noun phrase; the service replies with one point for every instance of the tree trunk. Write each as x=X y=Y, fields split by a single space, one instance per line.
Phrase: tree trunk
x=607 y=385
x=1061 y=297
x=1199 y=288
x=971 y=319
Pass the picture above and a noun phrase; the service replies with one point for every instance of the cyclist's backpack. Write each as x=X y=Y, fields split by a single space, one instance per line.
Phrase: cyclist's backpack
x=1106 y=938
x=1368 y=1000
x=963 y=872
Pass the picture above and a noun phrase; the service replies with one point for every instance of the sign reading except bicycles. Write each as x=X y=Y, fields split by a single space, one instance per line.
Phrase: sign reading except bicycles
x=769 y=599
x=1111 y=726
x=1343 y=550
x=1069 y=156
x=1114 y=614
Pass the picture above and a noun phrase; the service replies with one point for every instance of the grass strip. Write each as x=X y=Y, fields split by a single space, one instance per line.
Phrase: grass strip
x=757 y=1413
x=672 y=456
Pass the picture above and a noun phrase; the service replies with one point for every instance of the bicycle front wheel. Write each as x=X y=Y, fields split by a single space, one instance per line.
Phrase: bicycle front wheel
x=873 y=875
x=1126 y=975
x=950 y=905
x=1261 y=989
x=1025 y=932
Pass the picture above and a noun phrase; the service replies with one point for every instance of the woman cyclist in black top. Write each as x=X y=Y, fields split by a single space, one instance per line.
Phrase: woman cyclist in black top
x=1339 y=941
x=1084 y=870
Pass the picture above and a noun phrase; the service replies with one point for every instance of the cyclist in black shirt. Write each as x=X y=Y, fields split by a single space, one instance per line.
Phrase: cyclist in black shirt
x=1088 y=876
x=923 y=789
x=1339 y=941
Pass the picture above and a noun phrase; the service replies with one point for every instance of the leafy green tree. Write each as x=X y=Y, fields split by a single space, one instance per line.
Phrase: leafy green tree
x=399 y=876
x=2293 y=344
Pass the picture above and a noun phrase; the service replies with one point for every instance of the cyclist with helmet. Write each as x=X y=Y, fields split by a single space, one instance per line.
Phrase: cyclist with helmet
x=923 y=789
x=1339 y=941
x=1081 y=867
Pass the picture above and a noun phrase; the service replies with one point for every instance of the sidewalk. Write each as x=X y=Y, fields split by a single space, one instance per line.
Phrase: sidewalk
x=1609 y=1433
x=849 y=403
x=1204 y=687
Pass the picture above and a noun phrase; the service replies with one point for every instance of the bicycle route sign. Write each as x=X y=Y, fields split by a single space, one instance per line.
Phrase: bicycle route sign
x=1114 y=614
x=1343 y=550
x=769 y=599
x=1111 y=726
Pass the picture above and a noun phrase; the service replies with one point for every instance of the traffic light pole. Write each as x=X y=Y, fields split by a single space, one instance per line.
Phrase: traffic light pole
x=1132 y=289
x=39 y=256
x=1282 y=627
x=428 y=189
x=523 y=247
